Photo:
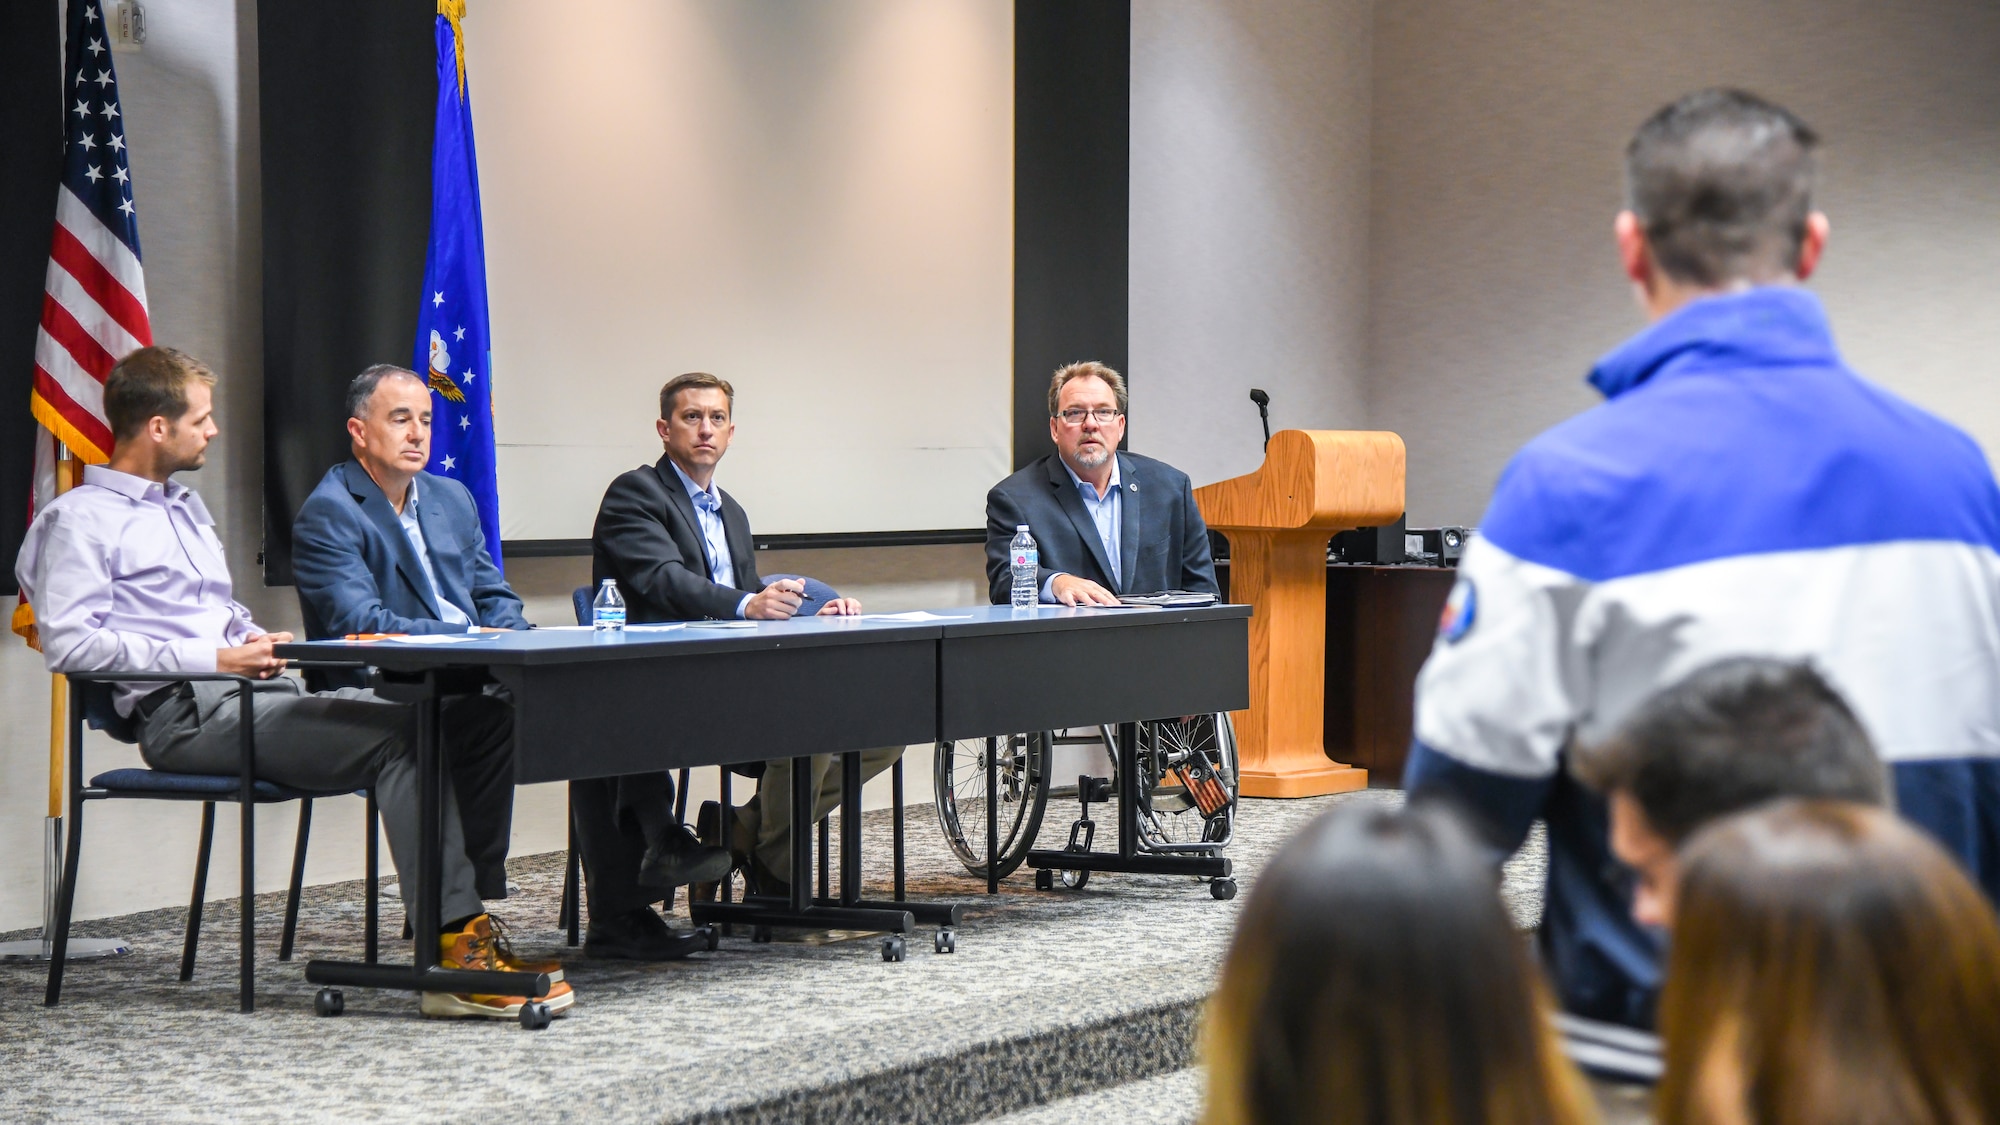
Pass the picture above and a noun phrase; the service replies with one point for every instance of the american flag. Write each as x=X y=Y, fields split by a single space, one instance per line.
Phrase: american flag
x=94 y=301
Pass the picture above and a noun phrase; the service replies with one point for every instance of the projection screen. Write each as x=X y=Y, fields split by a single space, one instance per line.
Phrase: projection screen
x=811 y=200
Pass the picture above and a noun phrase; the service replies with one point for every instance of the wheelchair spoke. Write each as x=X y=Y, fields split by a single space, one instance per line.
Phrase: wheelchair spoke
x=960 y=781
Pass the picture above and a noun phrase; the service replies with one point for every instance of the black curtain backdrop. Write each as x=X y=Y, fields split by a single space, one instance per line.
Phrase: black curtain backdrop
x=30 y=169
x=1072 y=172
x=349 y=95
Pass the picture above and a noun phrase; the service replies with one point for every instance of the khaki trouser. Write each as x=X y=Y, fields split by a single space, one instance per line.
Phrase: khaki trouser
x=773 y=832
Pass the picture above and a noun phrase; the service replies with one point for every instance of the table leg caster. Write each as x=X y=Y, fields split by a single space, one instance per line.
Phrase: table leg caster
x=1222 y=889
x=1075 y=880
x=892 y=947
x=1045 y=880
x=535 y=1015
x=945 y=942
x=714 y=937
x=760 y=934
x=329 y=1002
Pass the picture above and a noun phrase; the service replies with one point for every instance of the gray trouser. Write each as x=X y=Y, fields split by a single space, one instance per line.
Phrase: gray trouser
x=768 y=815
x=352 y=739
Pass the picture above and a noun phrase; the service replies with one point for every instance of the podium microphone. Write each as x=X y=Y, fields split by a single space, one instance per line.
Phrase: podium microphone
x=1263 y=402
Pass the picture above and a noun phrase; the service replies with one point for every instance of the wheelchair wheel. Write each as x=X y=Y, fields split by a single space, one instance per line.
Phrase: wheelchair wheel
x=1185 y=764
x=960 y=781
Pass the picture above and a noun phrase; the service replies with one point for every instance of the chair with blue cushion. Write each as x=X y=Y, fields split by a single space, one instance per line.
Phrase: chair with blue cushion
x=91 y=703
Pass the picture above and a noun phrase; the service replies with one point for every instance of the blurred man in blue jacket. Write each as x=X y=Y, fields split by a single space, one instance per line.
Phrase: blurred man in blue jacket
x=1741 y=492
x=381 y=546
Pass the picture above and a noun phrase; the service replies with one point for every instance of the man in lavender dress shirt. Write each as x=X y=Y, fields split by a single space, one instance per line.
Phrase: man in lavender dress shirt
x=126 y=574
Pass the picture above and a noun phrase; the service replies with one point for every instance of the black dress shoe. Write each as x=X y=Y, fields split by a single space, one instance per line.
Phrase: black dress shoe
x=677 y=858
x=639 y=935
x=708 y=829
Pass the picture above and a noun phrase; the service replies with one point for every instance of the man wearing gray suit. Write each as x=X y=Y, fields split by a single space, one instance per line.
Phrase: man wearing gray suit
x=1106 y=522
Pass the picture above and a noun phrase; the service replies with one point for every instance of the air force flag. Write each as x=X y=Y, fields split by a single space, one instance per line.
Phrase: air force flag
x=454 y=344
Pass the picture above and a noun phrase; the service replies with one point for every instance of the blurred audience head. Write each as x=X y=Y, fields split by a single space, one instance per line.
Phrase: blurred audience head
x=1721 y=182
x=1377 y=977
x=1732 y=735
x=1830 y=963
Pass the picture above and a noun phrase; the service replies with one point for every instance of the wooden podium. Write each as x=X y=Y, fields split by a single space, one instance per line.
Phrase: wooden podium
x=1278 y=520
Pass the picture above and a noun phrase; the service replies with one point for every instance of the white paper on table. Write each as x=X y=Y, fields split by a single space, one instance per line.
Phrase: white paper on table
x=661 y=627
x=436 y=638
x=912 y=615
x=565 y=628
x=721 y=624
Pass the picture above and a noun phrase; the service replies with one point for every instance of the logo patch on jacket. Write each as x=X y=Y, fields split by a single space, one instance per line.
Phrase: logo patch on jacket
x=1460 y=610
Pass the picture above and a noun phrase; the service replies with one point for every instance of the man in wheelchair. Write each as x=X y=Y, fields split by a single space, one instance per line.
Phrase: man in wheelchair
x=1107 y=522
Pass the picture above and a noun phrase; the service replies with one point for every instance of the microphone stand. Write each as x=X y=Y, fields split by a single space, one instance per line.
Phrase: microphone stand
x=1263 y=402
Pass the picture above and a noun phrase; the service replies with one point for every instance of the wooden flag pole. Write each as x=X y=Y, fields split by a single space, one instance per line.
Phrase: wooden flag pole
x=66 y=464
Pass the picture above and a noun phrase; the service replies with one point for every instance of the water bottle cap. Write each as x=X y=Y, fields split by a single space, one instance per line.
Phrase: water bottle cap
x=1020 y=527
x=609 y=582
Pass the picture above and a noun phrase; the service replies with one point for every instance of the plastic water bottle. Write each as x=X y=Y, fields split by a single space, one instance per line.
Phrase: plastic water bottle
x=608 y=610
x=1027 y=561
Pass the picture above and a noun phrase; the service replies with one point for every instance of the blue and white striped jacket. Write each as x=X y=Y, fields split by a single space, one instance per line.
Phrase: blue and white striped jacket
x=1742 y=492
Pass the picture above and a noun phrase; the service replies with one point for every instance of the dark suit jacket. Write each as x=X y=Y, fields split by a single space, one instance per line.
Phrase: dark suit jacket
x=647 y=538
x=1162 y=541
x=357 y=573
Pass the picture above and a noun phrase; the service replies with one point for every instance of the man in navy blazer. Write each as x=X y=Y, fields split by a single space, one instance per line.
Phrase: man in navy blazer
x=1106 y=522
x=383 y=547
x=356 y=564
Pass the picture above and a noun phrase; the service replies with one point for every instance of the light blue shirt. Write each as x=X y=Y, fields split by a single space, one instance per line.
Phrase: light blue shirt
x=708 y=513
x=447 y=612
x=1106 y=512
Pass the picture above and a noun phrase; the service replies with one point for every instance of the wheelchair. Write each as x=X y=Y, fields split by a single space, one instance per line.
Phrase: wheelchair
x=1185 y=797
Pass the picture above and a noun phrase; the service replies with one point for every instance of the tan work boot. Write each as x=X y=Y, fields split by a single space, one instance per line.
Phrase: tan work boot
x=503 y=944
x=474 y=947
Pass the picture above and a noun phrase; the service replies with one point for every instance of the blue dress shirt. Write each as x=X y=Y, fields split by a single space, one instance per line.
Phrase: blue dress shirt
x=708 y=513
x=1105 y=511
x=447 y=612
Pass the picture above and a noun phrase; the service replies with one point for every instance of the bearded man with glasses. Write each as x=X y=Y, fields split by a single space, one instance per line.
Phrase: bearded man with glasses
x=1107 y=522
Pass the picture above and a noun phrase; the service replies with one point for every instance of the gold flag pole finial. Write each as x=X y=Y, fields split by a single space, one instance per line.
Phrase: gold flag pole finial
x=454 y=10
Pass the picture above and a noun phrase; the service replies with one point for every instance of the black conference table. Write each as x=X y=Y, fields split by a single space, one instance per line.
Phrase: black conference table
x=600 y=704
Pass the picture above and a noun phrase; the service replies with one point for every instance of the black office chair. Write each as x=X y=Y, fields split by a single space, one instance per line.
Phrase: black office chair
x=91 y=702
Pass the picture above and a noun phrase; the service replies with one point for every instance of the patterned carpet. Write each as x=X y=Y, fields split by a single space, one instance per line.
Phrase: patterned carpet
x=1050 y=996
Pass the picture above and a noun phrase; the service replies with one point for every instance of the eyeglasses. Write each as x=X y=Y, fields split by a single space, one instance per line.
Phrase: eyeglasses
x=1103 y=415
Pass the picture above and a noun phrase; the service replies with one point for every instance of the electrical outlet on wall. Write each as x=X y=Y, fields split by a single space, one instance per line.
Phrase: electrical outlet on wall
x=127 y=23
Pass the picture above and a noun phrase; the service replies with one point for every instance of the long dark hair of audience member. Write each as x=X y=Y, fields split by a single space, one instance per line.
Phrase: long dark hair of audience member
x=1830 y=964
x=1376 y=977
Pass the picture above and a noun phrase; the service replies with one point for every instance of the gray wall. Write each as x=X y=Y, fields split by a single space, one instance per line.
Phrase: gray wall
x=1496 y=142
x=1249 y=224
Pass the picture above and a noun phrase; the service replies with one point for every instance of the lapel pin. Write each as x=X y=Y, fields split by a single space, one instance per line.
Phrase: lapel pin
x=1134 y=486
